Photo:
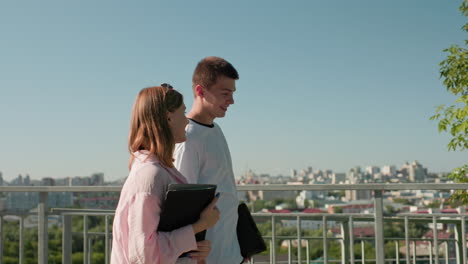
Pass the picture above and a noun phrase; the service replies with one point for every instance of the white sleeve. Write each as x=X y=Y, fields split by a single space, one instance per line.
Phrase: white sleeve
x=187 y=161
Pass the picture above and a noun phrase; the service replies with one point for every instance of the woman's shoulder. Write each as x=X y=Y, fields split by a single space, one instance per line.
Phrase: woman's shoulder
x=149 y=176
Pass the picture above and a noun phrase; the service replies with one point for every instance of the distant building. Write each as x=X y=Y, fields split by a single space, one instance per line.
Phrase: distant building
x=352 y=195
x=338 y=178
x=97 y=179
x=293 y=173
x=25 y=201
x=48 y=181
x=417 y=173
x=372 y=170
x=388 y=170
x=272 y=195
x=355 y=176
x=2 y=204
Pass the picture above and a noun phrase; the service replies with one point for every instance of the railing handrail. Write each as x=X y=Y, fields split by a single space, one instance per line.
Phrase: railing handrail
x=263 y=187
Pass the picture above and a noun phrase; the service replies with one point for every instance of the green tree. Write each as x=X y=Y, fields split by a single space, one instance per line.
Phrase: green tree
x=403 y=201
x=454 y=118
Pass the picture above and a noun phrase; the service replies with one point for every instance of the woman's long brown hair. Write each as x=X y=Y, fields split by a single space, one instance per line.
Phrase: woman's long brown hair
x=149 y=127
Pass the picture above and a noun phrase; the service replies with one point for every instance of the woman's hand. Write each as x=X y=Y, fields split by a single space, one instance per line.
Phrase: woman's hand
x=202 y=252
x=208 y=217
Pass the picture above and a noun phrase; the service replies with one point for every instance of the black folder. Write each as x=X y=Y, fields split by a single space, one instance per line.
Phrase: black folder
x=250 y=240
x=183 y=205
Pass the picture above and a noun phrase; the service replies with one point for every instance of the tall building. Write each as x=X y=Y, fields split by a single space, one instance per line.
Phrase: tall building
x=293 y=173
x=97 y=179
x=337 y=178
x=389 y=170
x=48 y=181
x=27 y=180
x=18 y=181
x=417 y=173
x=1 y=179
x=372 y=170
x=353 y=195
x=355 y=175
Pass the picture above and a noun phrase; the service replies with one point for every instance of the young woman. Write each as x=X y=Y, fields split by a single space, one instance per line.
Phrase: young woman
x=157 y=123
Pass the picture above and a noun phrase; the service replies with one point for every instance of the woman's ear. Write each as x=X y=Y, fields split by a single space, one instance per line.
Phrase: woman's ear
x=168 y=116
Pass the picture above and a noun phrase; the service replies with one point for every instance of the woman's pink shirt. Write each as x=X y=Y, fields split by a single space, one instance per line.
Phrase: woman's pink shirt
x=135 y=239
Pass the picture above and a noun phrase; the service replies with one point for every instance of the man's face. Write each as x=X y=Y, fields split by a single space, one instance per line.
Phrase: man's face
x=220 y=96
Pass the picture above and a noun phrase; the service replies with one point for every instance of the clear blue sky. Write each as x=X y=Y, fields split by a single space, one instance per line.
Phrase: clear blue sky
x=327 y=84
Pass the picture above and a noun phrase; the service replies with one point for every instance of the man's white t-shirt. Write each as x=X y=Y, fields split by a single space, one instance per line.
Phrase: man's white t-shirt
x=204 y=158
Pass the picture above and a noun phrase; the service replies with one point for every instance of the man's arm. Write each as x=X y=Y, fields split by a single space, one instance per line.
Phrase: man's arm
x=187 y=161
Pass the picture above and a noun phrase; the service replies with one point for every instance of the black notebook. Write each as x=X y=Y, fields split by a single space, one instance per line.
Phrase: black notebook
x=250 y=240
x=183 y=205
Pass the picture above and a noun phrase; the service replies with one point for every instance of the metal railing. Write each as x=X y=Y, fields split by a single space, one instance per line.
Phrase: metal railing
x=346 y=239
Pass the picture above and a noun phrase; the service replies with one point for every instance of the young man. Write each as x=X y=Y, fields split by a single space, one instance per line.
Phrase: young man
x=205 y=158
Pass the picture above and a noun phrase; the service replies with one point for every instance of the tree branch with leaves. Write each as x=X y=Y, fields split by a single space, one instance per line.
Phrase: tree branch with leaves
x=454 y=118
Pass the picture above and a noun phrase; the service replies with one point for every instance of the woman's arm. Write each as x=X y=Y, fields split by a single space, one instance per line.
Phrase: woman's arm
x=146 y=245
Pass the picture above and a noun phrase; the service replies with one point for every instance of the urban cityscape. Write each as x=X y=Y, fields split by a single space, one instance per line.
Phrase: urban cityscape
x=409 y=172
x=23 y=206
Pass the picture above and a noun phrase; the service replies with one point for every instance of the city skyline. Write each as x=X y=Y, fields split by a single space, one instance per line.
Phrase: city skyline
x=324 y=84
x=309 y=169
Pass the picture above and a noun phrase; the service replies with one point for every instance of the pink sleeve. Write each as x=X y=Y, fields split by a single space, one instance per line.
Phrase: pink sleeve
x=146 y=245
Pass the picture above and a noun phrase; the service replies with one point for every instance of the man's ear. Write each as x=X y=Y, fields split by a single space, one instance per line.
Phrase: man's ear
x=199 y=91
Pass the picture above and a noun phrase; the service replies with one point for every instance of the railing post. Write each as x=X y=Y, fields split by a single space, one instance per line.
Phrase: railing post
x=345 y=256
x=431 y=252
x=273 y=239
x=463 y=237
x=379 y=237
x=307 y=251
x=460 y=242
x=407 y=240
x=325 y=240
x=21 y=239
x=289 y=252
x=1 y=239
x=363 y=252
x=85 y=239
x=271 y=252
x=414 y=251
x=42 y=236
x=351 y=239
x=90 y=249
x=397 y=250
x=107 y=242
x=446 y=253
x=435 y=239
x=66 y=239
x=299 y=241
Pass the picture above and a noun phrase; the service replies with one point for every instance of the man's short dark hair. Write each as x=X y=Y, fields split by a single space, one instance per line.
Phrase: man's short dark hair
x=210 y=68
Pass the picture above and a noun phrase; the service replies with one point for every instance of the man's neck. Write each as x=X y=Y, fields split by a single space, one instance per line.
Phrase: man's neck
x=200 y=116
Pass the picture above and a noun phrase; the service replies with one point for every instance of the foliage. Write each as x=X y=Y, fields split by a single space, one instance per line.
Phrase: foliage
x=11 y=242
x=454 y=118
x=402 y=201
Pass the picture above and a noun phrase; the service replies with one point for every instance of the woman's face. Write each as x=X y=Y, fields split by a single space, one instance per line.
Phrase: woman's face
x=177 y=123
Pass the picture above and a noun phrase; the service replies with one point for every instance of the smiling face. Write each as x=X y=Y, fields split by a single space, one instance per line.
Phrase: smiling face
x=219 y=96
x=177 y=123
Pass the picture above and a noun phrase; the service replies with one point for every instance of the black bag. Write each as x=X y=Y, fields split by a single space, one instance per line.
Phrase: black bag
x=250 y=240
